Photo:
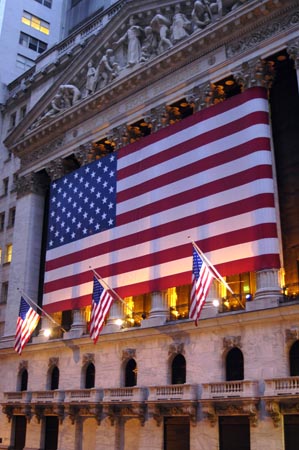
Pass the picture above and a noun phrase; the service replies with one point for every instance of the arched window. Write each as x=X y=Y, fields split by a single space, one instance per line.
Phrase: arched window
x=54 y=381
x=178 y=370
x=234 y=365
x=23 y=380
x=131 y=373
x=90 y=376
x=294 y=359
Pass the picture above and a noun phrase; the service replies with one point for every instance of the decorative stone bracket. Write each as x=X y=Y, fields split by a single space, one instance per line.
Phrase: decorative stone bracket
x=159 y=410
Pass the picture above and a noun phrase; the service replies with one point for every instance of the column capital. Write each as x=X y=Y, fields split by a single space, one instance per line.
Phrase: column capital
x=256 y=72
x=32 y=183
x=293 y=51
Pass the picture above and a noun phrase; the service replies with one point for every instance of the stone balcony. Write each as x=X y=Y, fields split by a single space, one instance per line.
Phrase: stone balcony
x=47 y=396
x=17 y=397
x=125 y=394
x=83 y=395
x=282 y=386
x=230 y=389
x=183 y=392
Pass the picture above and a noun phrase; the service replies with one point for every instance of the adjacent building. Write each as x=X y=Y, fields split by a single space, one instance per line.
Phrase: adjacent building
x=147 y=128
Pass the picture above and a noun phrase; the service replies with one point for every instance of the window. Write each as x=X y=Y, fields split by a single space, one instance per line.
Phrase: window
x=23 y=111
x=4 y=292
x=294 y=359
x=131 y=373
x=291 y=435
x=23 y=62
x=51 y=432
x=23 y=380
x=54 y=378
x=8 y=253
x=35 y=22
x=176 y=433
x=20 y=425
x=90 y=376
x=2 y=221
x=178 y=370
x=234 y=365
x=30 y=42
x=11 y=217
x=5 y=186
x=47 y=3
x=12 y=120
x=234 y=433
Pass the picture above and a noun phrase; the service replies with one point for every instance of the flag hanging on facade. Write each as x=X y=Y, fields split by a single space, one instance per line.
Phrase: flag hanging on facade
x=201 y=280
x=128 y=214
x=26 y=324
x=101 y=303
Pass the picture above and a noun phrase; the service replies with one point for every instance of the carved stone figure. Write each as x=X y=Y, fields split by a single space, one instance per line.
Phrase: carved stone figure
x=149 y=46
x=180 y=25
x=107 y=69
x=70 y=94
x=160 y=24
x=132 y=36
x=90 y=79
x=200 y=15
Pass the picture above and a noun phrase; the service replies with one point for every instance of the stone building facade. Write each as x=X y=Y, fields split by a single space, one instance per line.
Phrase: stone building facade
x=156 y=381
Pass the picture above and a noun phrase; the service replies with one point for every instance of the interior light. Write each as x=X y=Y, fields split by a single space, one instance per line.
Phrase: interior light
x=47 y=332
x=215 y=302
x=119 y=322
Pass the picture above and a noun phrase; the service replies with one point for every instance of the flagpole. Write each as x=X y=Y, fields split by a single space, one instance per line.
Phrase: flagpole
x=41 y=309
x=220 y=279
x=114 y=292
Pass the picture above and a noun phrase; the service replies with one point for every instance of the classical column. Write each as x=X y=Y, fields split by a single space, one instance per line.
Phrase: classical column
x=293 y=51
x=78 y=327
x=268 y=291
x=27 y=240
x=159 y=312
x=115 y=314
x=214 y=293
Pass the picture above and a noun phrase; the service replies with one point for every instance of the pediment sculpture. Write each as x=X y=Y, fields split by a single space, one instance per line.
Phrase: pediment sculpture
x=143 y=40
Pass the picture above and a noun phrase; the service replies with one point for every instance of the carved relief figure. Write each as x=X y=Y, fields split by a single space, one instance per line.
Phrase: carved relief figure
x=107 y=69
x=149 y=46
x=132 y=36
x=70 y=94
x=90 y=79
x=160 y=24
x=180 y=25
x=200 y=15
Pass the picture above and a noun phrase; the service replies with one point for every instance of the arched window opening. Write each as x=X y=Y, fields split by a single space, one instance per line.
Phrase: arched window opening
x=178 y=370
x=90 y=376
x=294 y=359
x=24 y=380
x=234 y=365
x=54 y=378
x=131 y=373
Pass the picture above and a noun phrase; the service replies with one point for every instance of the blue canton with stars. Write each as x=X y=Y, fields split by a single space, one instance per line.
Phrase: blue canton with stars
x=83 y=203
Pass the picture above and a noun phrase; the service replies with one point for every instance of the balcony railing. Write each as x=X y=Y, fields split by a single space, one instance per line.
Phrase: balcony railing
x=47 y=397
x=173 y=392
x=232 y=389
x=134 y=394
x=282 y=386
x=17 y=397
x=83 y=395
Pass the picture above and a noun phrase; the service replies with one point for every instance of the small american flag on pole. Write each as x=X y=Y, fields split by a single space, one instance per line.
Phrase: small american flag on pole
x=26 y=324
x=101 y=303
x=201 y=281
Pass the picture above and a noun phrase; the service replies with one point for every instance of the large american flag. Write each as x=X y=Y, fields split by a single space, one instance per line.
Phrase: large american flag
x=27 y=321
x=128 y=215
x=202 y=278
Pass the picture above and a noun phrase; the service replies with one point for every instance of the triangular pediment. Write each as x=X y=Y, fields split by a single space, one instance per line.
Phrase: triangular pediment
x=140 y=44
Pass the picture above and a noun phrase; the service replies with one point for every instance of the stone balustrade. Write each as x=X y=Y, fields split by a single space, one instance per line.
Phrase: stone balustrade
x=282 y=386
x=173 y=392
x=83 y=395
x=227 y=389
x=125 y=394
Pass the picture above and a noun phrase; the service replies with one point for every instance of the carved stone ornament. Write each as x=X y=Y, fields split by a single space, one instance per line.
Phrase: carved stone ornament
x=209 y=413
x=88 y=358
x=55 y=169
x=53 y=361
x=273 y=410
x=230 y=342
x=23 y=365
x=128 y=353
x=125 y=410
x=176 y=349
x=256 y=72
x=271 y=29
x=293 y=51
x=159 y=410
x=41 y=152
x=32 y=183
x=231 y=408
x=292 y=334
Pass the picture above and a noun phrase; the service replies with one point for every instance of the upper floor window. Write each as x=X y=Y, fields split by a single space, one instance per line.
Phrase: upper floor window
x=294 y=359
x=131 y=373
x=54 y=378
x=11 y=217
x=32 y=43
x=47 y=3
x=90 y=376
x=8 y=253
x=12 y=120
x=23 y=380
x=2 y=221
x=24 y=63
x=4 y=292
x=178 y=370
x=5 y=186
x=23 y=111
x=35 y=22
x=234 y=365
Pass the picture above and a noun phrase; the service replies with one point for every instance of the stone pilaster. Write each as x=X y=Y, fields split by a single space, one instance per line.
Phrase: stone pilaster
x=78 y=327
x=159 y=312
